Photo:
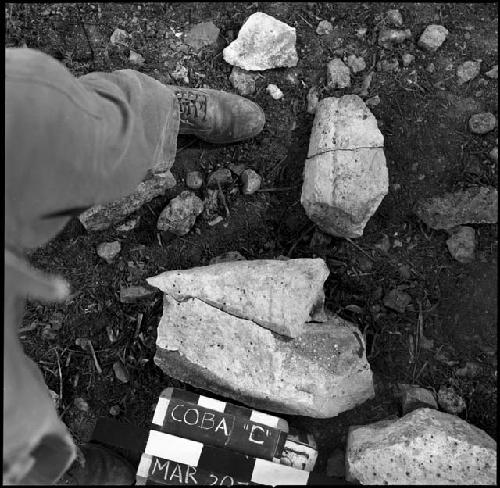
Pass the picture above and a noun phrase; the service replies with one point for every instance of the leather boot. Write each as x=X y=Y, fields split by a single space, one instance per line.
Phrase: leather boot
x=97 y=465
x=217 y=116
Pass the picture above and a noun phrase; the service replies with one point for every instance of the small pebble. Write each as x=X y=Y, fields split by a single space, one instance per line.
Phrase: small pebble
x=136 y=58
x=462 y=244
x=482 y=123
x=373 y=101
x=407 y=59
x=493 y=73
x=119 y=36
x=356 y=64
x=430 y=68
x=361 y=32
x=274 y=91
x=251 y=181
x=128 y=225
x=237 y=169
x=415 y=397
x=397 y=300
x=114 y=411
x=494 y=154
x=387 y=65
x=388 y=37
x=470 y=370
x=108 y=250
x=395 y=18
x=81 y=404
x=468 y=71
x=324 y=28
x=450 y=402
x=433 y=37
x=194 y=180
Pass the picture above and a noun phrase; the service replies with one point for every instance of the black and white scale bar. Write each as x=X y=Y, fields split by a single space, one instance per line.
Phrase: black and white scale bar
x=220 y=460
x=220 y=424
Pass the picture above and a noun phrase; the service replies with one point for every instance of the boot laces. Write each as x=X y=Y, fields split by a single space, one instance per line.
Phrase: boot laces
x=193 y=106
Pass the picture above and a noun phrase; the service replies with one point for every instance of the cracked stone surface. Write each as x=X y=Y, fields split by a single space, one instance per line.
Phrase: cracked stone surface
x=278 y=295
x=345 y=175
x=320 y=374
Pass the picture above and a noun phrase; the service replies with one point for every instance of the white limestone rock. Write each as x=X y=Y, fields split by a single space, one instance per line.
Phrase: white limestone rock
x=279 y=295
x=320 y=374
x=263 y=43
x=250 y=181
x=109 y=250
x=345 y=175
x=433 y=37
x=425 y=447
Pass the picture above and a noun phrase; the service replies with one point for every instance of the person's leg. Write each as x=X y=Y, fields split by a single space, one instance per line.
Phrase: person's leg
x=72 y=143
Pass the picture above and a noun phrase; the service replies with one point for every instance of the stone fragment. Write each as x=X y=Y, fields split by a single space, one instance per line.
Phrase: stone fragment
x=202 y=35
x=433 y=37
x=235 y=358
x=388 y=37
x=471 y=369
x=237 y=168
x=356 y=63
x=414 y=397
x=338 y=74
x=119 y=36
x=450 y=401
x=430 y=68
x=388 y=65
x=221 y=176
x=373 y=101
x=129 y=225
x=462 y=244
x=324 y=28
x=394 y=17
x=345 y=175
x=136 y=58
x=482 y=123
x=243 y=81
x=194 y=180
x=335 y=466
x=493 y=72
x=478 y=205
x=132 y=294
x=263 y=43
x=180 y=214
x=101 y=217
x=244 y=289
x=81 y=404
x=274 y=91
x=114 y=410
x=312 y=100
x=468 y=71
x=494 y=154
x=109 y=250
x=228 y=257
x=425 y=447
x=180 y=74
x=397 y=300
x=250 y=181
x=121 y=373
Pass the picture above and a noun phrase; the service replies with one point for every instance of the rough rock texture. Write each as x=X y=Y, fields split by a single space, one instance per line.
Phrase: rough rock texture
x=201 y=35
x=450 y=401
x=394 y=17
x=194 y=180
x=221 y=176
x=493 y=72
x=279 y=295
x=356 y=63
x=468 y=71
x=345 y=175
x=324 y=28
x=250 y=181
x=471 y=206
x=263 y=43
x=462 y=244
x=433 y=36
x=482 y=123
x=243 y=81
x=494 y=154
x=424 y=447
x=136 y=58
x=338 y=74
x=100 y=217
x=407 y=59
x=274 y=91
x=320 y=374
x=180 y=214
x=119 y=36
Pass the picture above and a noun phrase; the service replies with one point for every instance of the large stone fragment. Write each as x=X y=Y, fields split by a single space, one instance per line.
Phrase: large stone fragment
x=263 y=43
x=477 y=205
x=425 y=447
x=278 y=295
x=100 y=217
x=345 y=175
x=320 y=374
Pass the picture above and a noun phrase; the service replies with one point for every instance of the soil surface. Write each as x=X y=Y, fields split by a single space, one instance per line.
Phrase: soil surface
x=423 y=115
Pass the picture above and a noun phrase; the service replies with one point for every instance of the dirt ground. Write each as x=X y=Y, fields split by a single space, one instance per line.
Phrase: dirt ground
x=429 y=151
